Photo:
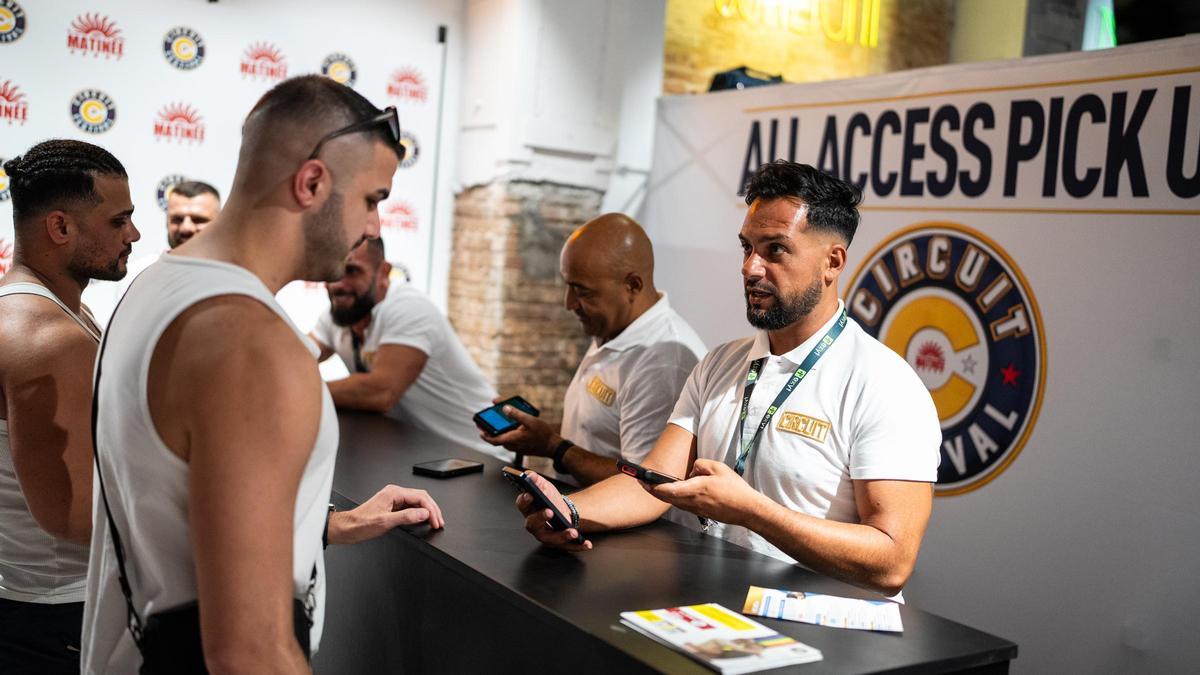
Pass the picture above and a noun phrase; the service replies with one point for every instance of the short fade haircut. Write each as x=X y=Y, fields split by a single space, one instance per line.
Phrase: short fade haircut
x=375 y=249
x=300 y=100
x=832 y=203
x=57 y=174
x=194 y=188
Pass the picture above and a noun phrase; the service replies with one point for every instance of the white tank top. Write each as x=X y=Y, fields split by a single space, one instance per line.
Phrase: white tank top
x=148 y=484
x=35 y=566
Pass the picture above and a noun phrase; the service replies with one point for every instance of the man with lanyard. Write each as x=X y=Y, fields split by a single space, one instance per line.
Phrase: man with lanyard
x=72 y=219
x=810 y=442
x=640 y=356
x=404 y=358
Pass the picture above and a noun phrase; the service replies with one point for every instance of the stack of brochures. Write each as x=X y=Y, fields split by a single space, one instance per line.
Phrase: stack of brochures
x=719 y=638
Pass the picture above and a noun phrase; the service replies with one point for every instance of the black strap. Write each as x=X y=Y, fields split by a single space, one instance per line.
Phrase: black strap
x=134 y=620
x=356 y=343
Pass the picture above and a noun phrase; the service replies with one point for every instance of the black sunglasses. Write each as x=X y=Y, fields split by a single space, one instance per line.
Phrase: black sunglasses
x=387 y=115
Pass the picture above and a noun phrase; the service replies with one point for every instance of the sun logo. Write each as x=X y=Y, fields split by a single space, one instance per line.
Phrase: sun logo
x=95 y=34
x=407 y=84
x=180 y=122
x=6 y=253
x=398 y=216
x=956 y=307
x=93 y=111
x=13 y=107
x=264 y=60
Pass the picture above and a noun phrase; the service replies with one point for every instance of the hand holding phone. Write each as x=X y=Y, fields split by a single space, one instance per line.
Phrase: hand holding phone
x=643 y=474
x=494 y=422
x=523 y=481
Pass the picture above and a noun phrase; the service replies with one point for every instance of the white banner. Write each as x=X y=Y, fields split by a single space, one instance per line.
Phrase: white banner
x=1028 y=243
x=165 y=88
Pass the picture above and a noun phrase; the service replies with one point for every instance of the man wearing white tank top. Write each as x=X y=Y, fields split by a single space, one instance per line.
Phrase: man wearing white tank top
x=215 y=435
x=72 y=219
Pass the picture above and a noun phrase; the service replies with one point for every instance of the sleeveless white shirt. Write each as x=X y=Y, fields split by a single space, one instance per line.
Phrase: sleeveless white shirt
x=148 y=484
x=35 y=566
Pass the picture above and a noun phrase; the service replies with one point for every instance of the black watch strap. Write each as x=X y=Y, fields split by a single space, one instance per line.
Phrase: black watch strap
x=560 y=451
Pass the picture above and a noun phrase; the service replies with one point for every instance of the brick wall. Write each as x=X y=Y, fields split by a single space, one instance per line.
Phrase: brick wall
x=506 y=297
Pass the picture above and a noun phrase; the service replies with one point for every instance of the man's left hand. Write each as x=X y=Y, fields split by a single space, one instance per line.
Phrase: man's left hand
x=534 y=437
x=391 y=507
x=712 y=490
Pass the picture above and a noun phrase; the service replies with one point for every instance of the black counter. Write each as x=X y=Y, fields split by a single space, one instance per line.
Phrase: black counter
x=484 y=596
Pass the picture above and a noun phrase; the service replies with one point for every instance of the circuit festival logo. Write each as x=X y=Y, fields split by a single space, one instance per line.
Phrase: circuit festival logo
x=397 y=216
x=264 y=60
x=162 y=192
x=407 y=84
x=340 y=68
x=13 y=107
x=6 y=256
x=183 y=48
x=956 y=307
x=93 y=111
x=4 y=193
x=12 y=21
x=411 y=149
x=95 y=34
x=179 y=122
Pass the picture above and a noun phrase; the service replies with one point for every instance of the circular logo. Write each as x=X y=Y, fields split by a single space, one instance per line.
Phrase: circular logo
x=93 y=111
x=183 y=48
x=4 y=193
x=411 y=149
x=340 y=68
x=956 y=307
x=163 y=191
x=12 y=21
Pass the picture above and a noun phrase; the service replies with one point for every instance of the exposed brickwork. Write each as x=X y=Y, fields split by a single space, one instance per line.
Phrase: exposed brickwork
x=505 y=296
x=704 y=37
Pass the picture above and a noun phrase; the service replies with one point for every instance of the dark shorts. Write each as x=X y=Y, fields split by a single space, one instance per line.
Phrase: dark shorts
x=38 y=638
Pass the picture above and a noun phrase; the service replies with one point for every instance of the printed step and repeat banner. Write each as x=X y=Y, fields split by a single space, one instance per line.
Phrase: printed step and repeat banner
x=165 y=87
x=1028 y=243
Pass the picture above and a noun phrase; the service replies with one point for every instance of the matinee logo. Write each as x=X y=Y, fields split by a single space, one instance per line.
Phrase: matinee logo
x=13 y=107
x=263 y=60
x=93 y=111
x=95 y=34
x=407 y=84
x=12 y=21
x=163 y=190
x=398 y=216
x=179 y=122
x=956 y=307
x=183 y=48
x=340 y=68
x=6 y=251
x=411 y=149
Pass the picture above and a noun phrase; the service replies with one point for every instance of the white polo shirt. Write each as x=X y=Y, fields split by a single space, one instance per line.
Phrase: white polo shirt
x=860 y=414
x=450 y=388
x=621 y=397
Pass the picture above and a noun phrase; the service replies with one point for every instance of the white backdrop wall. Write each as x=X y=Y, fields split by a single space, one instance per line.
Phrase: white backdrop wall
x=117 y=48
x=1065 y=372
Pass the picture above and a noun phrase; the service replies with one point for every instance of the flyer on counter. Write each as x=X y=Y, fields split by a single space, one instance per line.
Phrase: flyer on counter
x=824 y=610
x=720 y=638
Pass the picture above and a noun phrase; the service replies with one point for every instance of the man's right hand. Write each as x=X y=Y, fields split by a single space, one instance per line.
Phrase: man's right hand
x=534 y=437
x=537 y=520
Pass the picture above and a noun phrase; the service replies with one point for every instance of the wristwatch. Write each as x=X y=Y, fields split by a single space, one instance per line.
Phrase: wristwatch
x=560 y=450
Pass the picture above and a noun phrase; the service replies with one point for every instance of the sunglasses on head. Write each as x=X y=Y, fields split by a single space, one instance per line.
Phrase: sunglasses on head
x=388 y=115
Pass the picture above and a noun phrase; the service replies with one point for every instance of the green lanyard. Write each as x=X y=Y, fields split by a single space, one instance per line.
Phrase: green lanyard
x=746 y=447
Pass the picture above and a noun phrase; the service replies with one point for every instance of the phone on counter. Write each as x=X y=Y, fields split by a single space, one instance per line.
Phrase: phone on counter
x=495 y=422
x=523 y=482
x=447 y=468
x=643 y=474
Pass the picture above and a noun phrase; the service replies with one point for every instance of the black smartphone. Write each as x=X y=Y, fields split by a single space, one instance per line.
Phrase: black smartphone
x=495 y=422
x=446 y=468
x=643 y=474
x=525 y=484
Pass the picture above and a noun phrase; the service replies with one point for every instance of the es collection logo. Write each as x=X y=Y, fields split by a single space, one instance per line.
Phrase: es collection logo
x=340 y=68
x=263 y=60
x=411 y=149
x=93 y=111
x=957 y=308
x=13 y=107
x=183 y=48
x=97 y=35
x=4 y=193
x=163 y=190
x=12 y=21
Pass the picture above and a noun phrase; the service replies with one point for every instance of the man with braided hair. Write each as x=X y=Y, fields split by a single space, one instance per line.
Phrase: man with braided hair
x=72 y=215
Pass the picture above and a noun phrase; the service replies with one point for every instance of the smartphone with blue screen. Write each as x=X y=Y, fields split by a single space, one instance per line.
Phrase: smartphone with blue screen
x=493 y=420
